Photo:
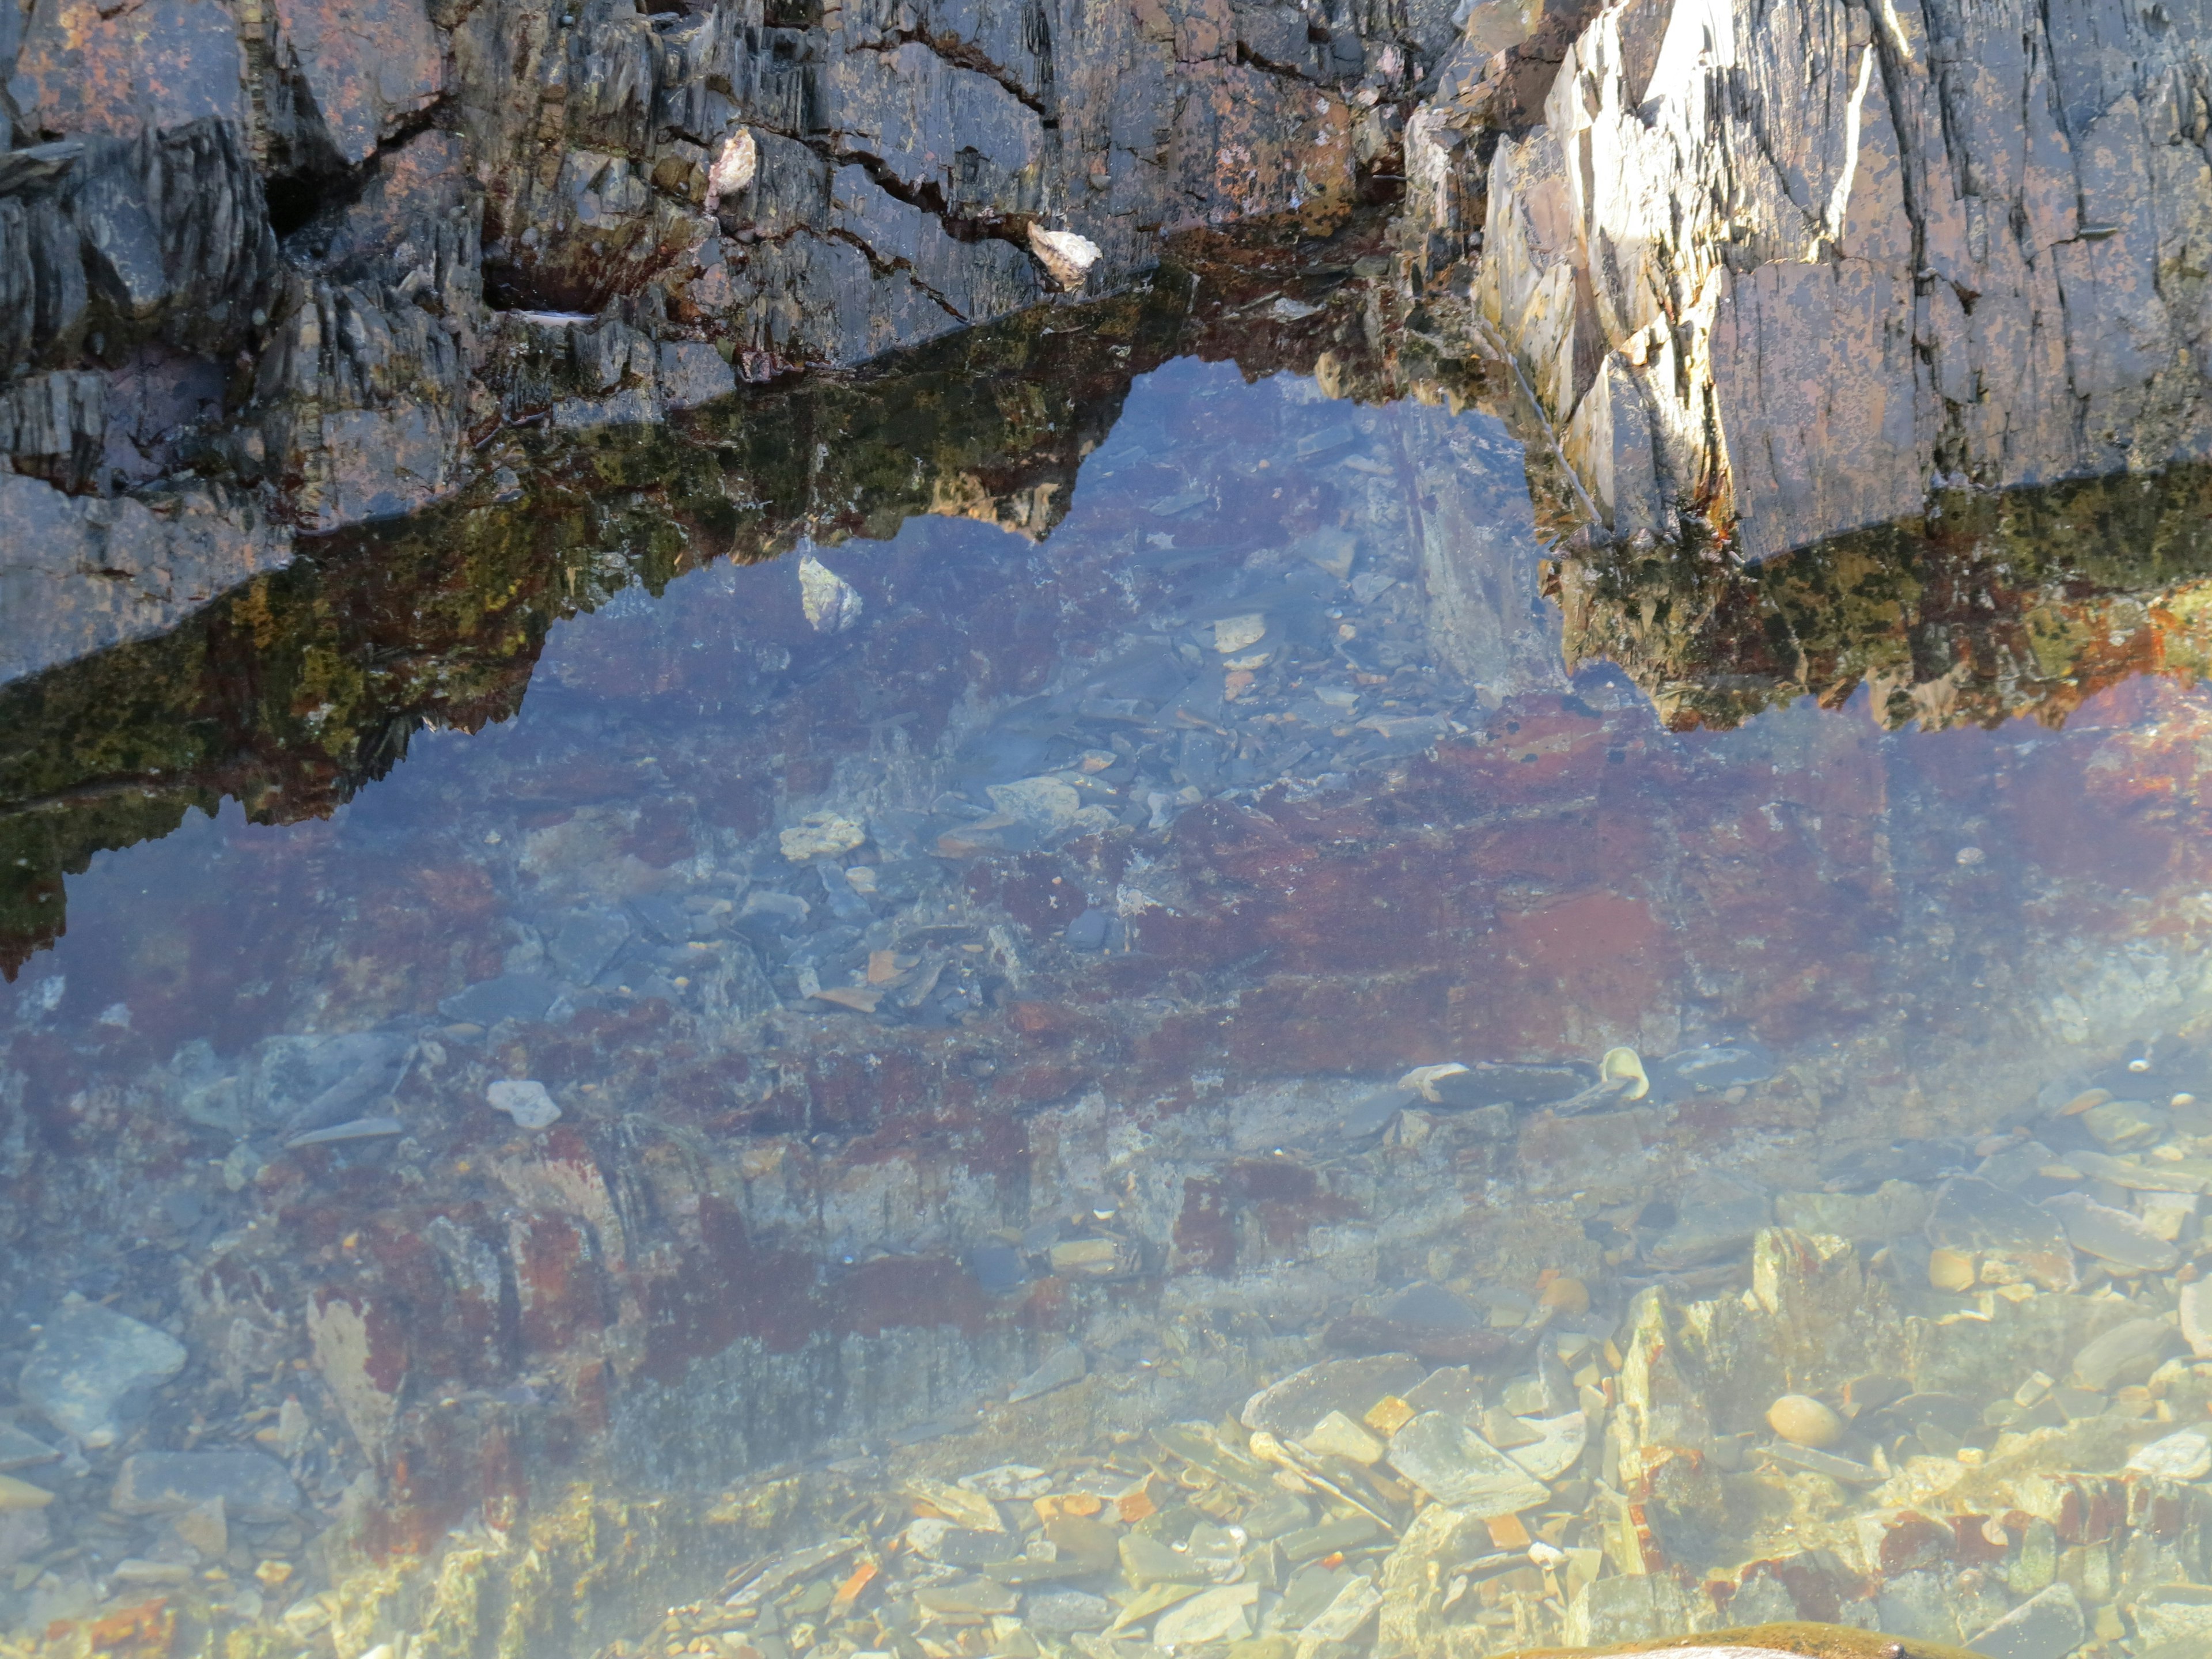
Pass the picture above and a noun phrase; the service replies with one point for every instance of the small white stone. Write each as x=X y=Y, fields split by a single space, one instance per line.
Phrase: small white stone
x=832 y=605
x=1067 y=257
x=735 y=164
x=525 y=1101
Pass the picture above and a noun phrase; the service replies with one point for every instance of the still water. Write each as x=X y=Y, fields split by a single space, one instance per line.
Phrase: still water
x=1211 y=1047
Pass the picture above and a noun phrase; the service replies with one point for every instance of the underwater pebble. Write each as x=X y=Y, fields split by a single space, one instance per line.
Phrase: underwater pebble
x=1289 y=1409
x=2010 y=1238
x=1803 y=1420
x=2183 y=1456
x=1890 y=1211
x=830 y=603
x=1221 y=1614
x=1951 y=1270
x=1558 y=1444
x=2047 y=1625
x=16 y=1496
x=525 y=1101
x=1338 y=1435
x=1567 y=1296
x=820 y=834
x=2119 y=1236
x=252 y=1486
x=19 y=1451
x=2195 y=1312
x=1455 y=1466
x=2125 y=1353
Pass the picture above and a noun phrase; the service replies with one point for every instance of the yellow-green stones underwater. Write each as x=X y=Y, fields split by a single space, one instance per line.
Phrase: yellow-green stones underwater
x=1795 y=1641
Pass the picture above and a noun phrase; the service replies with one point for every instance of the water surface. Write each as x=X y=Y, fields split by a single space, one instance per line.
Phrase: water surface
x=963 y=952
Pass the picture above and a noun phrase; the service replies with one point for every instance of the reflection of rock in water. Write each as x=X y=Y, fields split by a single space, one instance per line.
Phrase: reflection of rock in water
x=320 y=261
x=2025 y=603
x=438 y=619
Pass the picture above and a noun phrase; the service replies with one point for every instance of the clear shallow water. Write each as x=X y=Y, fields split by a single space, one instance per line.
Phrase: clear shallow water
x=963 y=958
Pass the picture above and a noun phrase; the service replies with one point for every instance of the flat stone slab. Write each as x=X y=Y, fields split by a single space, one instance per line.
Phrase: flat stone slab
x=2119 y=1237
x=2047 y=1625
x=1456 y=1466
x=253 y=1487
x=1291 y=1408
x=88 y=1361
x=2021 y=1239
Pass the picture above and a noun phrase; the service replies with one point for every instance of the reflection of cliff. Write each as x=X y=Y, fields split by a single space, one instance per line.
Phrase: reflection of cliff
x=295 y=688
x=2021 y=604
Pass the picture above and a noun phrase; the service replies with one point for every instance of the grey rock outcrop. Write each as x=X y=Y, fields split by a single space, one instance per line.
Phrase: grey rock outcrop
x=316 y=251
x=1791 y=266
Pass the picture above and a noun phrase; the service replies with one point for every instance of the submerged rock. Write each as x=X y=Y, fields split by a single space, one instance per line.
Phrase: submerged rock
x=251 y=1486
x=1456 y=1466
x=89 y=1362
x=1799 y=1641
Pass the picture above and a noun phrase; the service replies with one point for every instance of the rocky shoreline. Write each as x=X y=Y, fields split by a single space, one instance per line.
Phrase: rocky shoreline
x=295 y=275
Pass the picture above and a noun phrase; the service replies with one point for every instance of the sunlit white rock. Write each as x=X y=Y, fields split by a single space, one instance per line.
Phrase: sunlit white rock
x=832 y=605
x=735 y=164
x=525 y=1101
x=1067 y=257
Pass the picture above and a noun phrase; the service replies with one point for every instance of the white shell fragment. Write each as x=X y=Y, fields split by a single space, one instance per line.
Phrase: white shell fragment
x=525 y=1101
x=1067 y=257
x=832 y=605
x=735 y=164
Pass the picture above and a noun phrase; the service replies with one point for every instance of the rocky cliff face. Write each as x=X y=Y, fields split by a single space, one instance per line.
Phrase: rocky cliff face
x=1792 y=267
x=289 y=262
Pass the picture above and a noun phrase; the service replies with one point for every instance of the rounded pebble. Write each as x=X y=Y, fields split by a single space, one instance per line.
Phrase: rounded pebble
x=1804 y=1421
x=525 y=1101
x=1951 y=1270
x=21 y=1495
x=1568 y=1296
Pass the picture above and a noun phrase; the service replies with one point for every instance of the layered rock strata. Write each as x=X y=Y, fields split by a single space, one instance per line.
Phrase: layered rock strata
x=295 y=260
x=1790 y=268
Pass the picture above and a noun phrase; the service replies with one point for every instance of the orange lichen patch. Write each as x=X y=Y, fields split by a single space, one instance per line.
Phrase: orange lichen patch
x=849 y=1592
x=141 y=1632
